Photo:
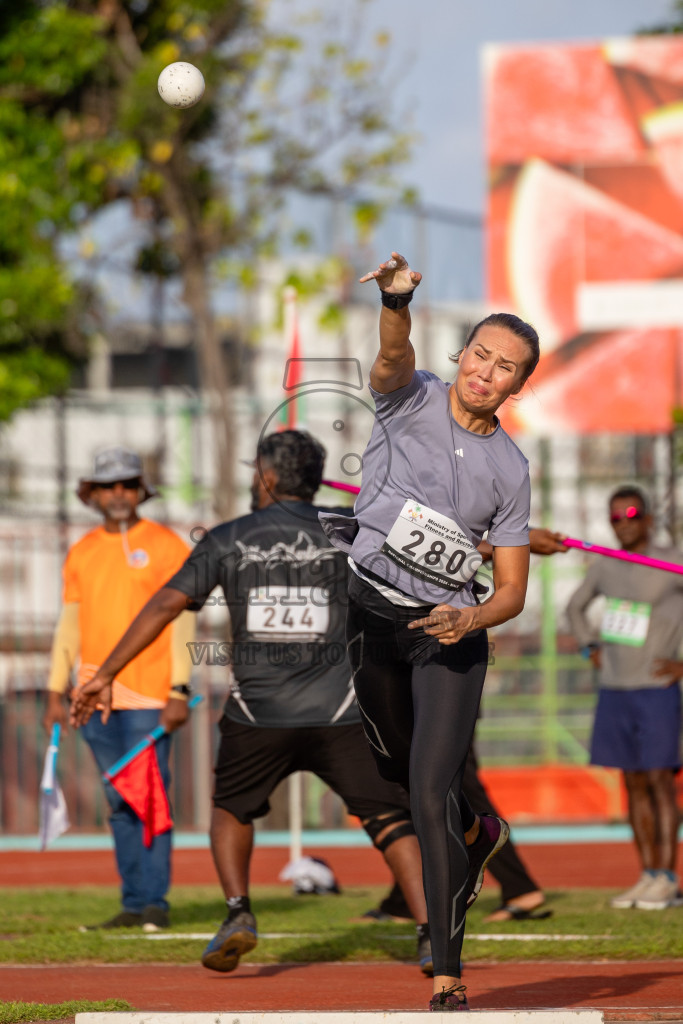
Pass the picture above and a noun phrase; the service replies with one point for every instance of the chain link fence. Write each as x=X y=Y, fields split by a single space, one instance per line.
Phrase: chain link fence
x=143 y=393
x=539 y=696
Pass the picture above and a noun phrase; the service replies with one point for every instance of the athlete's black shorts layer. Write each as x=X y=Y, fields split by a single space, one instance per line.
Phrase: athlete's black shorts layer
x=419 y=701
x=252 y=761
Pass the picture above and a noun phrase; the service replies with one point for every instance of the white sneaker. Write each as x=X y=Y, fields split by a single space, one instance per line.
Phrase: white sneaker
x=660 y=893
x=626 y=900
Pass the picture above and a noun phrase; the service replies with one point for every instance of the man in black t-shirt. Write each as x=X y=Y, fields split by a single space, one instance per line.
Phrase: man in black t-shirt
x=291 y=706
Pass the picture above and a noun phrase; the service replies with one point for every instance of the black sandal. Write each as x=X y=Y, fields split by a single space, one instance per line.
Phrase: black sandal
x=520 y=914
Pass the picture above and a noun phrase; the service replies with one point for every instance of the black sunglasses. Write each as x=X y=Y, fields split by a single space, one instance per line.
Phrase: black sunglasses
x=129 y=485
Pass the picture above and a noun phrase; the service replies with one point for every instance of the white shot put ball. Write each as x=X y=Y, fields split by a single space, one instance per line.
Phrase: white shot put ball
x=181 y=84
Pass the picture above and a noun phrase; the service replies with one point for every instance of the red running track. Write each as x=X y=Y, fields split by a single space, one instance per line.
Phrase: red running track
x=555 y=866
x=623 y=991
x=631 y=991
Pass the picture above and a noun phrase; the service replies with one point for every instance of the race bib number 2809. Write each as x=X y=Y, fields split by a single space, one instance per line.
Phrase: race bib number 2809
x=431 y=547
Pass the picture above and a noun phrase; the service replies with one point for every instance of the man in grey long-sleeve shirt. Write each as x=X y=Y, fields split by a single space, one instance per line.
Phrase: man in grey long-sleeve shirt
x=638 y=716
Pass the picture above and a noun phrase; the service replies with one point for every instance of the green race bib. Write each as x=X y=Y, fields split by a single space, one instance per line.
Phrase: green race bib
x=625 y=622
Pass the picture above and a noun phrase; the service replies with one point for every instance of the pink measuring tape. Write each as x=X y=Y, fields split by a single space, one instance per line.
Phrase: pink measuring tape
x=570 y=542
x=624 y=556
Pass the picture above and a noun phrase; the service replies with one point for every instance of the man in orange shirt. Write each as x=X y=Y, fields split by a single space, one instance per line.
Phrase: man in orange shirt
x=109 y=575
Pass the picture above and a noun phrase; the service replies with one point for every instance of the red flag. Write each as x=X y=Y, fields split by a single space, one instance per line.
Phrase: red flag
x=291 y=419
x=294 y=374
x=141 y=786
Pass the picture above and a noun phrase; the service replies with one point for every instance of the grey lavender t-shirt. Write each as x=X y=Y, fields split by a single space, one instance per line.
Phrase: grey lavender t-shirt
x=646 y=624
x=418 y=452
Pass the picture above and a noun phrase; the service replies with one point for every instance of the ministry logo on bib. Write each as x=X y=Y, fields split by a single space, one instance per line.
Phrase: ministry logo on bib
x=413 y=511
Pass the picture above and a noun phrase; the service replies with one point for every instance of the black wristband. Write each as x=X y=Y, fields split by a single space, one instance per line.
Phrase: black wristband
x=183 y=688
x=396 y=301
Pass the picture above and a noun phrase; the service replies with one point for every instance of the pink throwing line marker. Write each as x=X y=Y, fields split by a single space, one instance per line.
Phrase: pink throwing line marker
x=624 y=556
x=339 y=486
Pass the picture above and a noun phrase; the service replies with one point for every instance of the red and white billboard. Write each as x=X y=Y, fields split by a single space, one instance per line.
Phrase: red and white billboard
x=585 y=226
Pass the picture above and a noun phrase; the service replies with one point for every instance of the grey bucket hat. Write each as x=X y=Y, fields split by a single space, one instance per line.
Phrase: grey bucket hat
x=110 y=465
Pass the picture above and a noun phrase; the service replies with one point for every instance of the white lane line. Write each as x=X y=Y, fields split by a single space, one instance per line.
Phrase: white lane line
x=479 y=937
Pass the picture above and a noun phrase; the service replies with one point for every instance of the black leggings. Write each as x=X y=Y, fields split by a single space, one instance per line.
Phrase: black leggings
x=419 y=701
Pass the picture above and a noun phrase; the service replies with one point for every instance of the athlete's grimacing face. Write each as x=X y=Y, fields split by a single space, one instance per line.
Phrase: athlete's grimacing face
x=491 y=368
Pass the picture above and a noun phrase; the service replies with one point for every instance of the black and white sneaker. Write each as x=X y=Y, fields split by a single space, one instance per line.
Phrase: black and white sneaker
x=235 y=937
x=493 y=834
x=154 y=919
x=124 y=919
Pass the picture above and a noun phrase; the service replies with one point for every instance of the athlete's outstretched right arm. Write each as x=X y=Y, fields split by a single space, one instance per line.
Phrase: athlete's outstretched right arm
x=161 y=609
x=395 y=363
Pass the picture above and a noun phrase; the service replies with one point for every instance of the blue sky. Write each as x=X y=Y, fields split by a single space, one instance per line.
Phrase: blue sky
x=441 y=41
x=436 y=57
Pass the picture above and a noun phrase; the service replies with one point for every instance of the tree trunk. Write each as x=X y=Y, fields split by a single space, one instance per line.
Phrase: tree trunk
x=215 y=386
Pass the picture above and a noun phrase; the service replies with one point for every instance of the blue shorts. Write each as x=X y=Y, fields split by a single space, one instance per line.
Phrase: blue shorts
x=638 y=730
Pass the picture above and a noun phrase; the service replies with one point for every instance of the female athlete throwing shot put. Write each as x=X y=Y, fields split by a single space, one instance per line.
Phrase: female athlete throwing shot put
x=438 y=473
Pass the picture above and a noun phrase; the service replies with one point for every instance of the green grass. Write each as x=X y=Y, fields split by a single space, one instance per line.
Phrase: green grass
x=41 y=926
x=14 y=1013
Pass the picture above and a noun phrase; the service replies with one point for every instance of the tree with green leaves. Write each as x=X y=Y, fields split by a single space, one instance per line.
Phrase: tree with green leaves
x=293 y=101
x=673 y=25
